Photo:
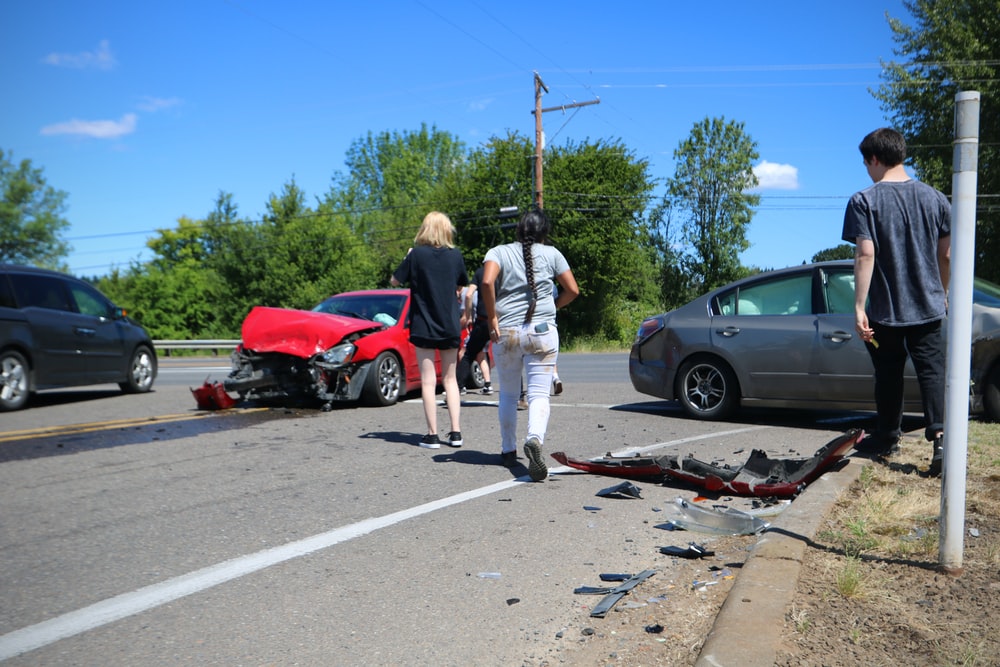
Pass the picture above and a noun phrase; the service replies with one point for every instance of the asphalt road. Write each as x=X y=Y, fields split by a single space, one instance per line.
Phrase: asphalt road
x=138 y=530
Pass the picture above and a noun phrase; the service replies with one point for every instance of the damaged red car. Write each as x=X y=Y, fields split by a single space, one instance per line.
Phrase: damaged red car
x=352 y=346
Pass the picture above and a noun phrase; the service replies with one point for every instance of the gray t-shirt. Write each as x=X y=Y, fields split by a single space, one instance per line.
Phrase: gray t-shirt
x=904 y=220
x=513 y=295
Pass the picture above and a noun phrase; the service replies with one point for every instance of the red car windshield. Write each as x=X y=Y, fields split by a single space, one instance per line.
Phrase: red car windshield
x=382 y=308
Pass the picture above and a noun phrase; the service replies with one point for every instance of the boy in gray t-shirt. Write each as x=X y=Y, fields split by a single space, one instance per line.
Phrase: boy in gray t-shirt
x=901 y=229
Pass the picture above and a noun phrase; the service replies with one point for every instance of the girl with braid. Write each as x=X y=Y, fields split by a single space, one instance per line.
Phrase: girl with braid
x=518 y=299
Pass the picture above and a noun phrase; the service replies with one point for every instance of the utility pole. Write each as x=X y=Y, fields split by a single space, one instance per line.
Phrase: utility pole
x=539 y=143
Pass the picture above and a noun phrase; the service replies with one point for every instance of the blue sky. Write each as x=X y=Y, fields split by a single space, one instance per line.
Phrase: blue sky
x=142 y=112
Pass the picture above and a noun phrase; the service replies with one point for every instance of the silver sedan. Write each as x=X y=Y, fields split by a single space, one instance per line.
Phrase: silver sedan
x=786 y=339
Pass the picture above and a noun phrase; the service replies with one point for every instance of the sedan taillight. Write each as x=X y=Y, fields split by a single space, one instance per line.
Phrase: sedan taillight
x=648 y=328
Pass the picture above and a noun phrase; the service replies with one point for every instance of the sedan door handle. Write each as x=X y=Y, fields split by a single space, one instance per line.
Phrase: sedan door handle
x=838 y=336
x=84 y=331
x=728 y=332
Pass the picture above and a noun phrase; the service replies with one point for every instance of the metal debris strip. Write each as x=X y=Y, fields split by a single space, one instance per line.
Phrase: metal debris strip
x=710 y=520
x=612 y=594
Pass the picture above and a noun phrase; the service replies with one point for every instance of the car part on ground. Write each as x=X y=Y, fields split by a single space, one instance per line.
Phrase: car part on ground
x=761 y=475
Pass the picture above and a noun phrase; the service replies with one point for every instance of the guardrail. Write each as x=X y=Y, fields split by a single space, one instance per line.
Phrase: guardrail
x=212 y=344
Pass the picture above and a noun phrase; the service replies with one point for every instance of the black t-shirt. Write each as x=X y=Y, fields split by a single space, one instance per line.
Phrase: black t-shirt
x=434 y=275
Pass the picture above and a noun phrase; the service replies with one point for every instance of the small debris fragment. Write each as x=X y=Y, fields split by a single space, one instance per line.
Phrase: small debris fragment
x=511 y=601
x=654 y=629
x=691 y=551
x=623 y=490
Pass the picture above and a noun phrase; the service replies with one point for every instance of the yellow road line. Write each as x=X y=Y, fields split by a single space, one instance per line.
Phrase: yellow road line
x=91 y=427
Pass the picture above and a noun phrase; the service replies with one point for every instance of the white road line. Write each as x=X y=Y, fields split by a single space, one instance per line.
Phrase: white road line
x=128 y=604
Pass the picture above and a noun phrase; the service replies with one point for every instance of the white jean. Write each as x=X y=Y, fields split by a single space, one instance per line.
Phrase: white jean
x=523 y=348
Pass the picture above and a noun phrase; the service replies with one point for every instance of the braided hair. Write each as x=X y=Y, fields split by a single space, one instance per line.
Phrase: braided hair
x=533 y=227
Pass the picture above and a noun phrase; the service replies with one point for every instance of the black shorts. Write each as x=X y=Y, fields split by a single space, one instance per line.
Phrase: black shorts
x=436 y=343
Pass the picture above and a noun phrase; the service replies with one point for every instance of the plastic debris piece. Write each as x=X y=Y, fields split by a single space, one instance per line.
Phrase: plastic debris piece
x=610 y=576
x=654 y=629
x=623 y=490
x=669 y=525
x=728 y=522
x=591 y=508
x=761 y=475
x=511 y=601
x=213 y=396
x=612 y=595
x=692 y=550
x=974 y=532
x=488 y=575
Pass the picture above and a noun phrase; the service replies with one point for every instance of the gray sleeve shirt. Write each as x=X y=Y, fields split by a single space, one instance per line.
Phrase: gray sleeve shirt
x=512 y=292
x=904 y=220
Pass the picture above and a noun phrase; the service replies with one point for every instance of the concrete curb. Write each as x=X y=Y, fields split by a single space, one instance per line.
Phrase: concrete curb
x=748 y=628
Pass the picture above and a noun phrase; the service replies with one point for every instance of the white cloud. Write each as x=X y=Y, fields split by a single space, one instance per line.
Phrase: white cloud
x=98 y=129
x=774 y=176
x=153 y=104
x=102 y=58
x=480 y=105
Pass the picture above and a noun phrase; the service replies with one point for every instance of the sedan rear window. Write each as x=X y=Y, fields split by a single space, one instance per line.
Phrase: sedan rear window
x=791 y=295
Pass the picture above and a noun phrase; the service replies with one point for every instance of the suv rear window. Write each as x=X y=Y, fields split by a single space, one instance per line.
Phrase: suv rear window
x=40 y=292
x=6 y=295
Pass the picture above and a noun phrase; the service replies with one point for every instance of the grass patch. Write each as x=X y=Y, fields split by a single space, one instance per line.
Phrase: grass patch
x=851 y=579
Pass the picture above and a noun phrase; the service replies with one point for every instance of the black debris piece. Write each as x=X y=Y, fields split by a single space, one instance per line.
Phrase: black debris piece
x=691 y=551
x=623 y=490
x=612 y=595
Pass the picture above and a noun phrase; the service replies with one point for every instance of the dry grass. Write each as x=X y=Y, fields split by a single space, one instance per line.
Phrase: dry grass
x=891 y=513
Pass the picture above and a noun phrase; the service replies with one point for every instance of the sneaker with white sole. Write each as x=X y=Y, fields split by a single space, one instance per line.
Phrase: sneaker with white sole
x=557 y=387
x=455 y=439
x=536 y=464
x=430 y=441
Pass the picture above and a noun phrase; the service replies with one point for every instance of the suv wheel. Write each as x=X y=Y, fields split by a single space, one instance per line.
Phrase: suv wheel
x=14 y=389
x=141 y=371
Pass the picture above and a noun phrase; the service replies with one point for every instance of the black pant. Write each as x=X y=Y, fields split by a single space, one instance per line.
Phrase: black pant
x=479 y=336
x=924 y=344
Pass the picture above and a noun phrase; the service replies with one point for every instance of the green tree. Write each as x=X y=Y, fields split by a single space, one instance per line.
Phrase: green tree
x=177 y=293
x=389 y=186
x=494 y=176
x=842 y=251
x=952 y=46
x=710 y=191
x=30 y=216
x=293 y=258
x=596 y=194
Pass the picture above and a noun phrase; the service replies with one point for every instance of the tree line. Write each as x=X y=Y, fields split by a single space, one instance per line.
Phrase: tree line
x=634 y=253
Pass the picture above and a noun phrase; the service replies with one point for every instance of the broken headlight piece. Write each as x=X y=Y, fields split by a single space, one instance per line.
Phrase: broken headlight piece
x=339 y=354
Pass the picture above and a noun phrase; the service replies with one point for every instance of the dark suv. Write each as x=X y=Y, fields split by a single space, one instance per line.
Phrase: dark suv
x=58 y=331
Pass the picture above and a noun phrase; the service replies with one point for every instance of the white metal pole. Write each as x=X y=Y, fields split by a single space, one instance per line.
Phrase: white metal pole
x=963 y=256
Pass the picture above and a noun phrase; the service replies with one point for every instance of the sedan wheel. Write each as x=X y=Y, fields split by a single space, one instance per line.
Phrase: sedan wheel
x=141 y=372
x=707 y=388
x=385 y=380
x=13 y=381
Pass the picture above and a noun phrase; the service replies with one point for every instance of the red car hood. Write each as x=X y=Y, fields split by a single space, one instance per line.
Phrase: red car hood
x=301 y=333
